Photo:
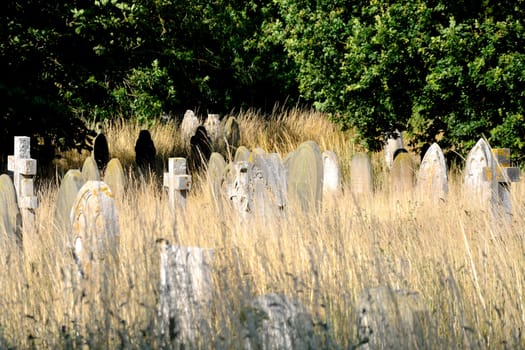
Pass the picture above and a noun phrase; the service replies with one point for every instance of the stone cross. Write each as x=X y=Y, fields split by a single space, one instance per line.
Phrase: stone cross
x=501 y=175
x=24 y=171
x=177 y=182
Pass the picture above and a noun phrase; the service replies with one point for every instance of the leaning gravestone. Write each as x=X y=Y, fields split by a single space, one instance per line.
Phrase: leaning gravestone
x=213 y=126
x=216 y=166
x=186 y=284
x=242 y=154
x=189 y=125
x=305 y=176
x=67 y=193
x=331 y=174
x=10 y=218
x=392 y=319
x=432 y=181
x=361 y=176
x=232 y=134
x=95 y=239
x=392 y=144
x=90 y=170
x=115 y=178
x=402 y=175
x=276 y=321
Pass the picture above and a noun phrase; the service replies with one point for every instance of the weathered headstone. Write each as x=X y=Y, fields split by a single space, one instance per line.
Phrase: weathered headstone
x=101 y=150
x=90 y=170
x=115 y=178
x=501 y=175
x=277 y=182
x=393 y=142
x=331 y=174
x=213 y=126
x=95 y=239
x=10 y=218
x=216 y=166
x=361 y=175
x=232 y=134
x=237 y=188
x=392 y=319
x=201 y=147
x=145 y=151
x=432 y=180
x=402 y=175
x=24 y=171
x=305 y=177
x=276 y=321
x=189 y=125
x=242 y=154
x=67 y=193
x=178 y=183
x=185 y=296
x=474 y=184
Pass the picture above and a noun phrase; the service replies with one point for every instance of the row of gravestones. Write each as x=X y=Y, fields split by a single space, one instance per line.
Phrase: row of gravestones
x=260 y=183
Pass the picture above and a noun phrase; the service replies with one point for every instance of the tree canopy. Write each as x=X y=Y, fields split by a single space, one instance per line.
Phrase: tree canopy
x=439 y=69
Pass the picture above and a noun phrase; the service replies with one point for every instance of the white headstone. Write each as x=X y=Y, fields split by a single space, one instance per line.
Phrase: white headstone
x=213 y=126
x=331 y=174
x=189 y=125
x=432 y=180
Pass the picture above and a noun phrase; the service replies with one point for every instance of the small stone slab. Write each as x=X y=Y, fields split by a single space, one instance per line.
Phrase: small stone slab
x=331 y=174
x=361 y=177
x=402 y=174
x=276 y=321
x=10 y=217
x=305 y=177
x=186 y=289
x=392 y=319
x=67 y=193
x=115 y=178
x=392 y=144
x=242 y=154
x=189 y=125
x=90 y=170
x=432 y=180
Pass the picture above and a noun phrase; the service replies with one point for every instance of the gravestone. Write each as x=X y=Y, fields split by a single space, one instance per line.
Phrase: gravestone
x=259 y=182
x=90 y=170
x=361 y=175
x=101 y=150
x=178 y=183
x=24 y=171
x=216 y=167
x=402 y=175
x=10 y=218
x=501 y=175
x=186 y=285
x=432 y=180
x=392 y=319
x=115 y=178
x=95 y=239
x=305 y=177
x=232 y=135
x=189 y=126
x=242 y=154
x=277 y=183
x=237 y=188
x=393 y=142
x=331 y=174
x=213 y=126
x=145 y=151
x=201 y=147
x=276 y=321
x=67 y=193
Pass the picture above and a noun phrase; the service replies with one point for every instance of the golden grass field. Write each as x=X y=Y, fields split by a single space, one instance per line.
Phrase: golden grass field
x=469 y=272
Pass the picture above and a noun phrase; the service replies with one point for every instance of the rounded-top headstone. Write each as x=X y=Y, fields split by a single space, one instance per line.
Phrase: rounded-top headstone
x=189 y=125
x=67 y=193
x=101 y=151
x=432 y=181
x=90 y=170
x=305 y=176
x=232 y=133
x=402 y=174
x=145 y=151
x=115 y=178
x=213 y=125
x=10 y=218
x=392 y=144
x=331 y=173
x=479 y=158
x=216 y=166
x=361 y=175
x=242 y=154
x=201 y=147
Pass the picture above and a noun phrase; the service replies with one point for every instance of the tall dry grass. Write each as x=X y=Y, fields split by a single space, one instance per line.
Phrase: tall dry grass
x=469 y=272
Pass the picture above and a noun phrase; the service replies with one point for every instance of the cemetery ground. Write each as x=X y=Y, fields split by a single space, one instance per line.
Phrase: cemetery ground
x=467 y=270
